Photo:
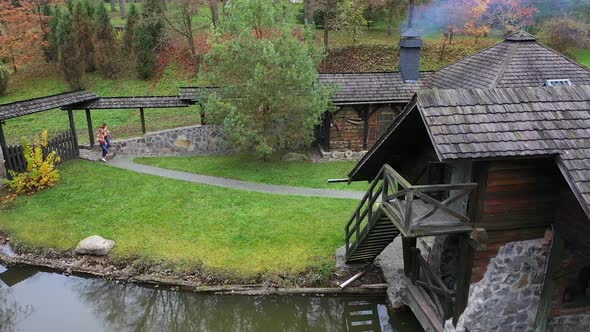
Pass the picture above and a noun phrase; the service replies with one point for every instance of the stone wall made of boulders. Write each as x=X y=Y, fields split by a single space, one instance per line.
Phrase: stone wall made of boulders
x=507 y=298
x=193 y=140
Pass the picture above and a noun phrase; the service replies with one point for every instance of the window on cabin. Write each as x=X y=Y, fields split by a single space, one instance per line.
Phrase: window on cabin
x=577 y=290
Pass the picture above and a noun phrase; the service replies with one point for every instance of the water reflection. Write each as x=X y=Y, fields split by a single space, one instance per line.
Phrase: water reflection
x=52 y=302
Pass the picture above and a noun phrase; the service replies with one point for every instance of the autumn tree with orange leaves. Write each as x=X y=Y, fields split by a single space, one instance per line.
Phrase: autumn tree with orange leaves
x=21 y=33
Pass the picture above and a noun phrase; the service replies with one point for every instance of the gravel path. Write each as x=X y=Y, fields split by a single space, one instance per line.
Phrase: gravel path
x=129 y=164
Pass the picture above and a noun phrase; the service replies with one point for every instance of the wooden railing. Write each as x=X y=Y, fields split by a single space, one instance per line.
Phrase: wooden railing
x=441 y=297
x=410 y=207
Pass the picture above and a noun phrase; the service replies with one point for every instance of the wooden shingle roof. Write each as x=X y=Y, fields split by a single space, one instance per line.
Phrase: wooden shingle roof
x=371 y=88
x=506 y=123
x=519 y=61
x=31 y=106
x=193 y=93
x=131 y=102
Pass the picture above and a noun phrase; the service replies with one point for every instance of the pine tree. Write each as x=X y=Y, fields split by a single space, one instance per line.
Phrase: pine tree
x=106 y=48
x=53 y=35
x=70 y=56
x=148 y=38
x=83 y=28
x=130 y=34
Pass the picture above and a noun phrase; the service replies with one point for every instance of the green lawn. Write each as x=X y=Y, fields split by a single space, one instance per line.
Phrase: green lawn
x=250 y=168
x=583 y=56
x=237 y=232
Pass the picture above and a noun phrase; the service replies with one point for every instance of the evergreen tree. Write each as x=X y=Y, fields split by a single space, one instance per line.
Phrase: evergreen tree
x=271 y=76
x=130 y=34
x=148 y=38
x=53 y=35
x=83 y=27
x=106 y=48
x=70 y=56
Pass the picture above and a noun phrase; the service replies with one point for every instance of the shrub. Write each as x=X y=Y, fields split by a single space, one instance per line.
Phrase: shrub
x=41 y=172
x=4 y=77
x=564 y=34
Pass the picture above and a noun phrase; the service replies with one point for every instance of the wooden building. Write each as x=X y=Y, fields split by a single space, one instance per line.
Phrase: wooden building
x=486 y=167
x=366 y=105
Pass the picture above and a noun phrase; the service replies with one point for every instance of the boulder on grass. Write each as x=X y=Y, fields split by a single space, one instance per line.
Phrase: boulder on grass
x=94 y=245
x=294 y=157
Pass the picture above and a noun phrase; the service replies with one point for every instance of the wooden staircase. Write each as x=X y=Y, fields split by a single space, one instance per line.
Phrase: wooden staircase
x=376 y=235
x=392 y=206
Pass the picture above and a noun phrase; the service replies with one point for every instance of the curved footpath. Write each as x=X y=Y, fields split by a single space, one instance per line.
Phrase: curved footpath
x=128 y=164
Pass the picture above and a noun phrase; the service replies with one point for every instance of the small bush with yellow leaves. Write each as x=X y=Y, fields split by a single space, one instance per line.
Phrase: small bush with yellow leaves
x=41 y=172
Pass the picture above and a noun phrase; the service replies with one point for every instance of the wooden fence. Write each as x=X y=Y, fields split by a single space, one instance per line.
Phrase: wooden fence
x=65 y=144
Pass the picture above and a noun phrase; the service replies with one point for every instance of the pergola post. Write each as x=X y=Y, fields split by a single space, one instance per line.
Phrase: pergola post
x=4 y=148
x=141 y=115
x=73 y=131
x=90 y=129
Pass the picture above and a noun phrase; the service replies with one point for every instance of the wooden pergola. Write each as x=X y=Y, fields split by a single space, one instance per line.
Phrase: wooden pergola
x=37 y=105
x=120 y=103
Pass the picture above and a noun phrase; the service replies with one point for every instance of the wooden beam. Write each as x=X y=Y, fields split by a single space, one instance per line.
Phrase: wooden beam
x=73 y=131
x=553 y=263
x=407 y=244
x=142 y=116
x=464 y=270
x=3 y=146
x=90 y=129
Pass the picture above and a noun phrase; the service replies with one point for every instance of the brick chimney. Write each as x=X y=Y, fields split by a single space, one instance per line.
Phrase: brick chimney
x=410 y=45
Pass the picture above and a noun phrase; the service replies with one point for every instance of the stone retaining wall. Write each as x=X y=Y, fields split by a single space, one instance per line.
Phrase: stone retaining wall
x=193 y=140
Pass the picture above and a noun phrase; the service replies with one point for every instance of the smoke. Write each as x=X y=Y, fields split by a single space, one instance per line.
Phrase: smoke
x=437 y=16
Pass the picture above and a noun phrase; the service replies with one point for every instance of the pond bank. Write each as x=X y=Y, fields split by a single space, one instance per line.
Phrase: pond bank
x=197 y=281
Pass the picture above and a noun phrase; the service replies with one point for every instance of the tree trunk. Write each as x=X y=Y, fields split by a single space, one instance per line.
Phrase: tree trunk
x=309 y=11
x=327 y=23
x=122 y=7
x=390 y=20
x=214 y=12
x=113 y=9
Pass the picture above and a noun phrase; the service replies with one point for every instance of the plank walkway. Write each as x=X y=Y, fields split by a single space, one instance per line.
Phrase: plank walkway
x=129 y=164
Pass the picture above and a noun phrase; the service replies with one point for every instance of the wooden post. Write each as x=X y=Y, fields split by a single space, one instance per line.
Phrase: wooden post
x=464 y=268
x=366 y=115
x=407 y=244
x=141 y=115
x=4 y=150
x=553 y=264
x=73 y=131
x=90 y=129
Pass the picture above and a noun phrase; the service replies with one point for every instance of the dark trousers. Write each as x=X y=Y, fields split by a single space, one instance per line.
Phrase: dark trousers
x=105 y=149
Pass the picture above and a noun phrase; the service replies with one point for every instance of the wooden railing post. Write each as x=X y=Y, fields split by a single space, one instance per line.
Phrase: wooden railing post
x=464 y=271
x=415 y=265
x=408 y=216
x=407 y=244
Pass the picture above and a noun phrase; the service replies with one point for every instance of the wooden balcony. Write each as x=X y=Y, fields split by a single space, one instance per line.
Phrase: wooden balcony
x=393 y=206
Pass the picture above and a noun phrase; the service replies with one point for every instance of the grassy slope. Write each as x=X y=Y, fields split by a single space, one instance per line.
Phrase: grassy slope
x=583 y=56
x=124 y=122
x=183 y=223
x=249 y=168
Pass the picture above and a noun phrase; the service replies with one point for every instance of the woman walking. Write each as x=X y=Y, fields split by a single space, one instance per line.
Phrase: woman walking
x=104 y=140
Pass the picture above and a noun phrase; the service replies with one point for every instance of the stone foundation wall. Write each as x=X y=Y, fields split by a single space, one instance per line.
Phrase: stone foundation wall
x=570 y=323
x=507 y=297
x=194 y=140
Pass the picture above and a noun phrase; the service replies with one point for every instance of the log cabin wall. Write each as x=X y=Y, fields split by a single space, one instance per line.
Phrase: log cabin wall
x=351 y=130
x=347 y=130
x=515 y=201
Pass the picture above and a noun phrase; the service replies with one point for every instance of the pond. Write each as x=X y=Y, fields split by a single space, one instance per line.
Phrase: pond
x=33 y=300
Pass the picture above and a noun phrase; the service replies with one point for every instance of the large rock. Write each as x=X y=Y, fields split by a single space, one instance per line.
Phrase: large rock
x=294 y=157
x=94 y=245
